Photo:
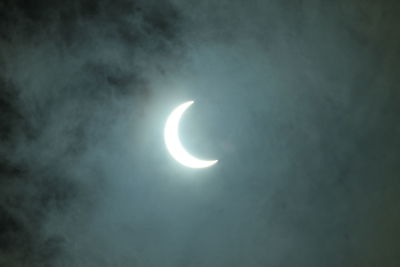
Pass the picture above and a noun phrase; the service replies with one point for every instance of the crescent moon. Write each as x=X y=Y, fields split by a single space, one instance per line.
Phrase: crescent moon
x=173 y=143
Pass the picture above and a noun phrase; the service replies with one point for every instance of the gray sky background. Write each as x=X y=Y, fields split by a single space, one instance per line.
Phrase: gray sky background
x=297 y=99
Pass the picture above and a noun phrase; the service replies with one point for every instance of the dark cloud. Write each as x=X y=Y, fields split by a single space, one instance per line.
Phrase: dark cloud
x=67 y=68
x=298 y=100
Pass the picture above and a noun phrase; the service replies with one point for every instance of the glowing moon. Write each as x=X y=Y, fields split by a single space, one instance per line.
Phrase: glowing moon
x=173 y=143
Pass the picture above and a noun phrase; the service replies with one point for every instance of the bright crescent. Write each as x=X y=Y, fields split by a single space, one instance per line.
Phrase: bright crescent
x=173 y=143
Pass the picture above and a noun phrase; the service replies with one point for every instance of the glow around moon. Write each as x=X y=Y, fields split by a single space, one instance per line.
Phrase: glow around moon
x=173 y=143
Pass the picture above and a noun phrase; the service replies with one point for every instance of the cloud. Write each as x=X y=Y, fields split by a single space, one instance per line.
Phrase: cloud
x=297 y=100
x=70 y=73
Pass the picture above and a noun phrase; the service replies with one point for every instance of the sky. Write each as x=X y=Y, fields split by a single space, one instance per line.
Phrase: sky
x=298 y=100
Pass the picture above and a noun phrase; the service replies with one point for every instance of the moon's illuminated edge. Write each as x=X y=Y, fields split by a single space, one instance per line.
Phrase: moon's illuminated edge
x=173 y=143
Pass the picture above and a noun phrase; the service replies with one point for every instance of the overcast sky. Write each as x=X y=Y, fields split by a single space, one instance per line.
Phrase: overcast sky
x=298 y=100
